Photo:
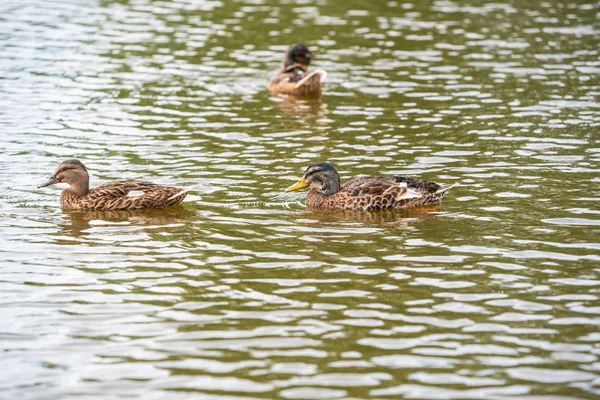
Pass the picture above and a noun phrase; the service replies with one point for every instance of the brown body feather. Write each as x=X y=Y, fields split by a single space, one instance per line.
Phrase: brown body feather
x=430 y=192
x=290 y=82
x=116 y=196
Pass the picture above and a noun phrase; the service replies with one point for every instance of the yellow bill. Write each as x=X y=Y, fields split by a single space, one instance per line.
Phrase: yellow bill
x=298 y=185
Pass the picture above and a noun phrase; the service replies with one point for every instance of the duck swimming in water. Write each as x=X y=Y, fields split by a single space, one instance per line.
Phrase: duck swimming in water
x=293 y=76
x=366 y=193
x=118 y=195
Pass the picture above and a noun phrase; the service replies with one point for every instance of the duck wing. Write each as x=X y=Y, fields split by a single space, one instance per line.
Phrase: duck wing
x=374 y=183
x=131 y=195
x=419 y=185
x=298 y=82
x=430 y=192
x=312 y=79
x=371 y=193
x=369 y=185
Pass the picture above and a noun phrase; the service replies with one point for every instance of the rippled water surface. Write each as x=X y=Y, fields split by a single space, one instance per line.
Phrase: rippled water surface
x=243 y=293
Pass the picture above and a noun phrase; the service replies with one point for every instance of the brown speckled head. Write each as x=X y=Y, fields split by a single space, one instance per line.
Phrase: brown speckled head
x=72 y=172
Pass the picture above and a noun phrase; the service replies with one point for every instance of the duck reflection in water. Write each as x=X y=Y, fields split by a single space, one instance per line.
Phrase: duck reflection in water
x=402 y=217
x=82 y=222
x=300 y=106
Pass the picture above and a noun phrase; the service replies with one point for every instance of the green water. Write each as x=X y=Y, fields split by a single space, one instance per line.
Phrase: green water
x=242 y=292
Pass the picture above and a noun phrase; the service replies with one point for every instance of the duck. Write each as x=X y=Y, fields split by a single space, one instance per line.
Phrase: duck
x=366 y=193
x=112 y=196
x=293 y=76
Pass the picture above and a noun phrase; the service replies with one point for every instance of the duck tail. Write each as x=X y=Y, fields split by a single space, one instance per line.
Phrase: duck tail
x=445 y=188
x=321 y=73
x=184 y=191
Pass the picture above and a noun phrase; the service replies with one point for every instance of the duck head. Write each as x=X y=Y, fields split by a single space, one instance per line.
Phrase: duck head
x=297 y=54
x=73 y=173
x=320 y=176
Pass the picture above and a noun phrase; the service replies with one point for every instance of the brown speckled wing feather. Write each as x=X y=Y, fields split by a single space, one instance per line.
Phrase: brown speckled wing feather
x=381 y=192
x=420 y=186
x=431 y=192
x=374 y=184
x=285 y=82
x=369 y=185
x=118 y=196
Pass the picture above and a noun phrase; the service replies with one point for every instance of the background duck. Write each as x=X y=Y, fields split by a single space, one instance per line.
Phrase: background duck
x=367 y=193
x=293 y=76
x=118 y=195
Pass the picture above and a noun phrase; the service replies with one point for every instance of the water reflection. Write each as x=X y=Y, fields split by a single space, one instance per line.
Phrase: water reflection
x=82 y=223
x=395 y=217
x=289 y=105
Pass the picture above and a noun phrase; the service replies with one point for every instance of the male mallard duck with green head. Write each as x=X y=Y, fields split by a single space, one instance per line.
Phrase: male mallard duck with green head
x=366 y=193
x=118 y=195
x=293 y=76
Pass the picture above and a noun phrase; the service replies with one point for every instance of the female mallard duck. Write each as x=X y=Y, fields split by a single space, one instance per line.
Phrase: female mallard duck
x=293 y=77
x=367 y=193
x=118 y=195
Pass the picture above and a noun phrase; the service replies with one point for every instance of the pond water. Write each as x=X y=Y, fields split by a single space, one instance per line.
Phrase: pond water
x=242 y=292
